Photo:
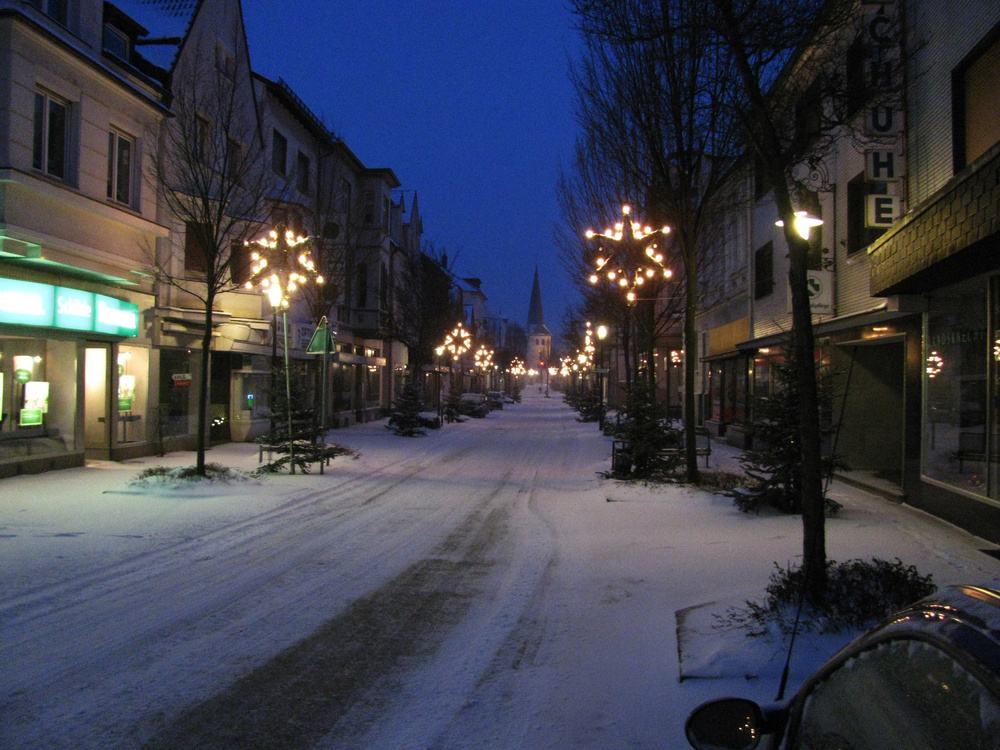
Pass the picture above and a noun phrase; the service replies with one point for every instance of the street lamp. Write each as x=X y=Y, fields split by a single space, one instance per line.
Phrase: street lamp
x=629 y=259
x=602 y=333
x=802 y=223
x=456 y=343
x=279 y=272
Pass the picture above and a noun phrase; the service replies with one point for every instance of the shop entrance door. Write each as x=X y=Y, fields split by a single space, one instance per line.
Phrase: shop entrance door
x=97 y=403
x=871 y=434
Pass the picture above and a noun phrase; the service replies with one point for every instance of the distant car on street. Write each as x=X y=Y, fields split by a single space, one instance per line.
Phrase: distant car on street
x=495 y=399
x=927 y=677
x=473 y=404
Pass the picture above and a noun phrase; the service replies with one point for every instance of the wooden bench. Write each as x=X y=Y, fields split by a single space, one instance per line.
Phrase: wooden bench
x=704 y=449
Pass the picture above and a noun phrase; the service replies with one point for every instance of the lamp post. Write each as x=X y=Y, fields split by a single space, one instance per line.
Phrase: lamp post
x=279 y=272
x=457 y=343
x=602 y=333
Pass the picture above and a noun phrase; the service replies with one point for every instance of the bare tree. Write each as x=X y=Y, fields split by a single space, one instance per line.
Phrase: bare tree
x=655 y=103
x=801 y=89
x=213 y=179
x=423 y=310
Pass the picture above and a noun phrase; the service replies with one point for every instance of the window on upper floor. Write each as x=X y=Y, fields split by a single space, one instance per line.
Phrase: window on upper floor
x=368 y=215
x=763 y=271
x=383 y=288
x=386 y=214
x=234 y=158
x=302 y=172
x=121 y=152
x=50 y=152
x=116 y=42
x=808 y=116
x=202 y=140
x=976 y=101
x=240 y=263
x=195 y=237
x=859 y=234
x=346 y=190
x=279 y=153
x=225 y=61
x=57 y=10
x=362 y=285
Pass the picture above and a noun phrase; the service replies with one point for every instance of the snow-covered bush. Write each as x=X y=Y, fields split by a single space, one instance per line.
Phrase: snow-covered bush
x=859 y=594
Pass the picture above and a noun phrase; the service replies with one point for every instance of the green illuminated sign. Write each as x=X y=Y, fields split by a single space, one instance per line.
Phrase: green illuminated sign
x=28 y=303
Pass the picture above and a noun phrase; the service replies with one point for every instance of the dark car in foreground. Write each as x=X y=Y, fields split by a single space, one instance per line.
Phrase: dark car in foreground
x=928 y=677
x=495 y=399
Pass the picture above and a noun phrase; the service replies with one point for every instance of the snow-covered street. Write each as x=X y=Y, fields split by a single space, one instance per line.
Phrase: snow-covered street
x=480 y=587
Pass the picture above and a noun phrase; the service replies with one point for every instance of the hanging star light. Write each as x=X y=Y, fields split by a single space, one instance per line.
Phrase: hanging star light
x=629 y=259
x=276 y=267
x=483 y=358
x=457 y=343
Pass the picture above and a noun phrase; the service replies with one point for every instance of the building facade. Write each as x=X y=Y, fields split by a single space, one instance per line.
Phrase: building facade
x=903 y=289
x=103 y=281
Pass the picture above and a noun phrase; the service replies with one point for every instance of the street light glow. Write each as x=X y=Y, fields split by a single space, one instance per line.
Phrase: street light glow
x=631 y=261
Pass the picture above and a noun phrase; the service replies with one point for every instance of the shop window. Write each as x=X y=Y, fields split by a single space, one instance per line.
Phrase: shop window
x=176 y=368
x=763 y=271
x=859 y=235
x=133 y=390
x=38 y=396
x=50 y=152
x=121 y=149
x=976 y=101
x=959 y=357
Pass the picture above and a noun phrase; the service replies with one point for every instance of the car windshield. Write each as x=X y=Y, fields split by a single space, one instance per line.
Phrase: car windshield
x=903 y=693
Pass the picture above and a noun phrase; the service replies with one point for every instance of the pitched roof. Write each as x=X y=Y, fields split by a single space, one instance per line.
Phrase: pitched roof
x=168 y=22
x=536 y=316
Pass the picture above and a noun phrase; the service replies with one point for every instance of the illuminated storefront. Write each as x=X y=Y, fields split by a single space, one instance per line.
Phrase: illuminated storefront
x=70 y=385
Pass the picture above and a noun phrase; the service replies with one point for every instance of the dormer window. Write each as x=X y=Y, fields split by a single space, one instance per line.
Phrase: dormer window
x=116 y=42
x=57 y=10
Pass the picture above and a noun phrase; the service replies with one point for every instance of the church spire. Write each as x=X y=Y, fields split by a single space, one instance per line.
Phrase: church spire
x=535 y=314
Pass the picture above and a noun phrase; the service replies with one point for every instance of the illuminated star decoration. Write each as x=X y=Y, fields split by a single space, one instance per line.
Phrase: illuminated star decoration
x=276 y=267
x=457 y=343
x=629 y=259
x=484 y=358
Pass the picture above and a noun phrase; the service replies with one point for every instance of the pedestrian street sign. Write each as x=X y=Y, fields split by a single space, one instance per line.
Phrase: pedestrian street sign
x=322 y=339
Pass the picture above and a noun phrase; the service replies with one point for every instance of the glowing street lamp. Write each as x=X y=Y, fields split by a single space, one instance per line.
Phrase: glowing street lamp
x=280 y=265
x=802 y=223
x=628 y=255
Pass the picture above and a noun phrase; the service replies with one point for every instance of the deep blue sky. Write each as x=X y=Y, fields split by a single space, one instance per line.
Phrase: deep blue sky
x=467 y=101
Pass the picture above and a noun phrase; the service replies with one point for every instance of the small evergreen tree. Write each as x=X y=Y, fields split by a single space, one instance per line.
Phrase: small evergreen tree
x=406 y=419
x=452 y=404
x=305 y=428
x=774 y=463
x=646 y=435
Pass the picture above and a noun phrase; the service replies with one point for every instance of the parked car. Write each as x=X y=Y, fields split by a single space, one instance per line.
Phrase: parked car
x=473 y=404
x=495 y=399
x=927 y=677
